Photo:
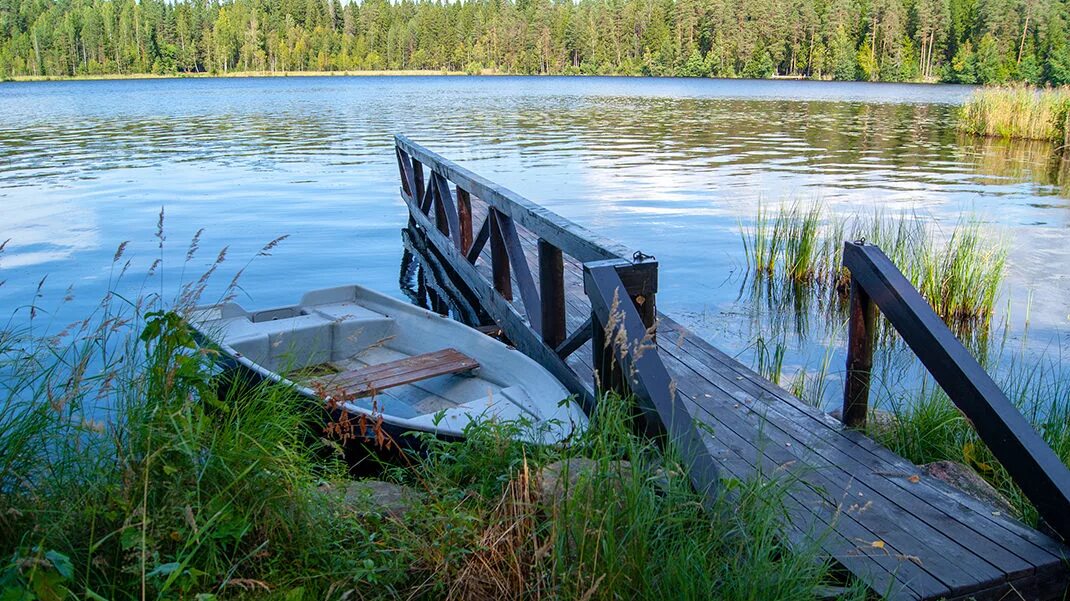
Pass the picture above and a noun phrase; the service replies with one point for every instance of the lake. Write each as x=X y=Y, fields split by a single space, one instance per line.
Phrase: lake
x=667 y=166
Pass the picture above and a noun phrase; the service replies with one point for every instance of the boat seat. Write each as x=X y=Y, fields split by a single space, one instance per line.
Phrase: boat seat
x=365 y=381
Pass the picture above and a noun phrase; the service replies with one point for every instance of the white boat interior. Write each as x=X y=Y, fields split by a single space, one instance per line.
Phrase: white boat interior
x=332 y=332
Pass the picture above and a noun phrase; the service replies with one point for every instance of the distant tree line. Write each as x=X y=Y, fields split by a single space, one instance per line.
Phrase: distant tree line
x=968 y=41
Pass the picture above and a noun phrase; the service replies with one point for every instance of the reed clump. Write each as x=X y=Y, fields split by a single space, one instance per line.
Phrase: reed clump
x=1019 y=111
x=788 y=240
x=960 y=274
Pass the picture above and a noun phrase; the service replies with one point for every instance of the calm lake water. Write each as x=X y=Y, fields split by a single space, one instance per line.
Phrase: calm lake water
x=666 y=166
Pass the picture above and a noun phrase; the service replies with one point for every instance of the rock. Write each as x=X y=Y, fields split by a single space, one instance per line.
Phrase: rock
x=878 y=419
x=366 y=497
x=558 y=479
x=966 y=480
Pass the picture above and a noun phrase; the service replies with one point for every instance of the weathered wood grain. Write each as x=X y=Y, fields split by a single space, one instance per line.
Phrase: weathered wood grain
x=1020 y=449
x=366 y=381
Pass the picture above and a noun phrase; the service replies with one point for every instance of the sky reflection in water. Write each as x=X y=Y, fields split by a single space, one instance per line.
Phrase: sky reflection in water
x=669 y=167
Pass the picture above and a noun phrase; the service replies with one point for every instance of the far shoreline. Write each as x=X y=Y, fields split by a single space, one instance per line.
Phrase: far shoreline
x=232 y=74
x=391 y=73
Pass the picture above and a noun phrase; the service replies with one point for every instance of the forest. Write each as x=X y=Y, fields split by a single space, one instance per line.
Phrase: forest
x=965 y=41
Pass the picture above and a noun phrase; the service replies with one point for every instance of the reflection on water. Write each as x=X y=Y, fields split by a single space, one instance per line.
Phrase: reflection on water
x=666 y=166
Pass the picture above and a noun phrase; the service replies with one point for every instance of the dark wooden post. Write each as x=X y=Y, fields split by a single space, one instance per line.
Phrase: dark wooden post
x=648 y=311
x=403 y=168
x=641 y=280
x=859 y=357
x=640 y=283
x=418 y=177
x=609 y=376
x=499 y=259
x=441 y=220
x=464 y=216
x=552 y=293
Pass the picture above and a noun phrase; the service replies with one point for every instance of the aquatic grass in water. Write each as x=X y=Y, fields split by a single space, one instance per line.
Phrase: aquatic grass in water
x=962 y=282
x=1019 y=111
x=761 y=246
x=789 y=238
x=960 y=277
x=801 y=241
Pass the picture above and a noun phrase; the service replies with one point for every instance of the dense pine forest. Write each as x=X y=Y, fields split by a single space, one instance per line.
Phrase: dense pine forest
x=969 y=41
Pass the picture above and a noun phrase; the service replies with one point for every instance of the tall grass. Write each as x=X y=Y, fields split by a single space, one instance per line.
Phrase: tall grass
x=628 y=526
x=1019 y=111
x=762 y=244
x=960 y=274
x=787 y=240
x=187 y=488
x=928 y=427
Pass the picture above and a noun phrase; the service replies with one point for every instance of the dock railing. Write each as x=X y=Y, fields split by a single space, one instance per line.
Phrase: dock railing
x=620 y=285
x=877 y=283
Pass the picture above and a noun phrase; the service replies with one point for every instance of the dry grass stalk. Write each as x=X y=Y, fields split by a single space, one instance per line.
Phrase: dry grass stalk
x=503 y=565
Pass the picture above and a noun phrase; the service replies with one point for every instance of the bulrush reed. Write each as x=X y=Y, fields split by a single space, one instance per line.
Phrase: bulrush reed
x=959 y=272
x=1019 y=111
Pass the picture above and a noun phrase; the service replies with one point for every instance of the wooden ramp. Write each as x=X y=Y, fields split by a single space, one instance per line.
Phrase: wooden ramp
x=905 y=535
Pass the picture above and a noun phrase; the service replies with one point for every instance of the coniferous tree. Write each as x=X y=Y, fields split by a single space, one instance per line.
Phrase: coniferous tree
x=969 y=41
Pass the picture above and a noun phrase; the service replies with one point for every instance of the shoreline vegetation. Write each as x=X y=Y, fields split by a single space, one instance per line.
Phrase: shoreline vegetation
x=200 y=485
x=960 y=272
x=384 y=73
x=239 y=75
x=1019 y=111
x=899 y=40
x=795 y=251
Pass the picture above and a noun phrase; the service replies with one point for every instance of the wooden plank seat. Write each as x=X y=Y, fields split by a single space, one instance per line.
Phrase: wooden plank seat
x=368 y=380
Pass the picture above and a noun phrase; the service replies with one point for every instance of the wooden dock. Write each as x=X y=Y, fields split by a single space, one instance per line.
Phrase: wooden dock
x=552 y=286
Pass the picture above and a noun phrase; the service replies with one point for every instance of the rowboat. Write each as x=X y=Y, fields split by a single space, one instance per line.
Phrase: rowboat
x=374 y=357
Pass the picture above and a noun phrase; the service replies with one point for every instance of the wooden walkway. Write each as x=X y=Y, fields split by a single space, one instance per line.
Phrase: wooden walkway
x=904 y=534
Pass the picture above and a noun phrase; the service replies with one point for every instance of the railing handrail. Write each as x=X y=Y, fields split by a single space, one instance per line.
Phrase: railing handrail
x=1031 y=463
x=570 y=237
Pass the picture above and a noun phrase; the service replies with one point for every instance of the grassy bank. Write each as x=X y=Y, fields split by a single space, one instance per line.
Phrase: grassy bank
x=128 y=472
x=925 y=426
x=1019 y=111
x=238 y=74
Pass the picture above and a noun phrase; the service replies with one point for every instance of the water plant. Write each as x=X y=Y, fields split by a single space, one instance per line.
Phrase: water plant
x=802 y=243
x=1018 y=111
x=761 y=244
x=960 y=274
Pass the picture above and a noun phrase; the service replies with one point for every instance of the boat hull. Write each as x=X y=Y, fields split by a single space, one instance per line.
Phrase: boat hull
x=350 y=328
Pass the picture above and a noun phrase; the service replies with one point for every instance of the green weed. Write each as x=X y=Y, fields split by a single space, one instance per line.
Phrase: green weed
x=131 y=469
x=961 y=275
x=1018 y=111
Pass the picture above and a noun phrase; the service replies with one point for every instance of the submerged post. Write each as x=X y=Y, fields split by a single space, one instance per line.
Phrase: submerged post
x=859 y=357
